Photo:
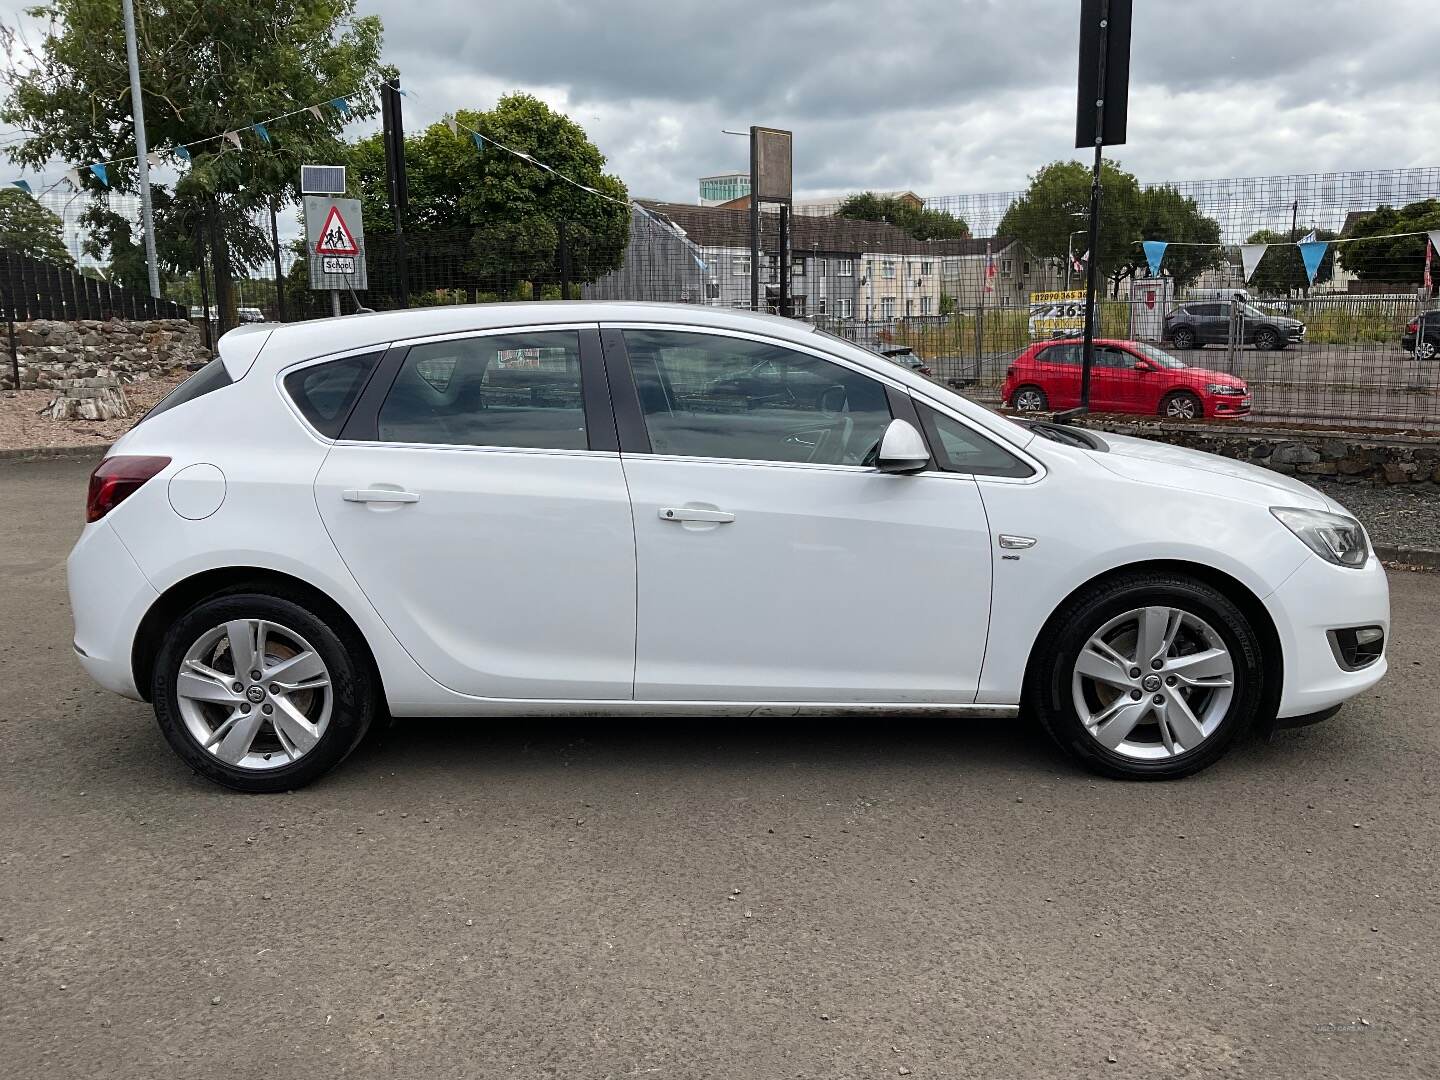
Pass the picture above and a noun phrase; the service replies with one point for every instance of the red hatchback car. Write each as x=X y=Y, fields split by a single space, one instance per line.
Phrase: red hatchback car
x=1127 y=376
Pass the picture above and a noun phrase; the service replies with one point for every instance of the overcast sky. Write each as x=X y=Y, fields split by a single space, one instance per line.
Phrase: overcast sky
x=939 y=97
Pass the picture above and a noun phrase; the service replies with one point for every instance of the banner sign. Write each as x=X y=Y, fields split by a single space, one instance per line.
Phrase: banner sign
x=335 y=243
x=1053 y=313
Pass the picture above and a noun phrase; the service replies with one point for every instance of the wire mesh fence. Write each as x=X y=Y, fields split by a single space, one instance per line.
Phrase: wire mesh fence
x=985 y=291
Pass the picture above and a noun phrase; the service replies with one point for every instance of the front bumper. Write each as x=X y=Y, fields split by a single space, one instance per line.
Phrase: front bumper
x=109 y=596
x=1315 y=599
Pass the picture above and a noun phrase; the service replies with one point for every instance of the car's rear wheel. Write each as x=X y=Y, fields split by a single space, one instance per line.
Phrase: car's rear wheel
x=1425 y=350
x=1030 y=399
x=260 y=693
x=1268 y=340
x=1150 y=676
x=1183 y=338
x=1182 y=405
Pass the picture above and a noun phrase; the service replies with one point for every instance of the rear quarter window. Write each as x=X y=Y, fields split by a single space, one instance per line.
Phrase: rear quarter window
x=325 y=393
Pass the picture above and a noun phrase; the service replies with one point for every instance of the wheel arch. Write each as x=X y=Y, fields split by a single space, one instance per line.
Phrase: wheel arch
x=188 y=592
x=1236 y=591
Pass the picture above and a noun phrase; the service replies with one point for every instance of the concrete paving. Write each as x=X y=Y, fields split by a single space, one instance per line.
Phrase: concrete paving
x=703 y=899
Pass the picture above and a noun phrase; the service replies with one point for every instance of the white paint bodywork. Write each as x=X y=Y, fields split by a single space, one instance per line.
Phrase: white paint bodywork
x=547 y=582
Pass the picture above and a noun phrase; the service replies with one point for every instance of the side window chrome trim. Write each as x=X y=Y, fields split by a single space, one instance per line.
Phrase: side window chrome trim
x=518 y=328
x=469 y=448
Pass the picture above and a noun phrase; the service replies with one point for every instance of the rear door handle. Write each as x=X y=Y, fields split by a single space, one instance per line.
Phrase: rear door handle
x=685 y=513
x=378 y=495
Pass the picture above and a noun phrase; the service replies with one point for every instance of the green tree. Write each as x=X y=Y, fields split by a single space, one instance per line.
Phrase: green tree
x=207 y=68
x=1281 y=270
x=1400 y=260
x=27 y=228
x=1165 y=214
x=919 y=222
x=493 y=219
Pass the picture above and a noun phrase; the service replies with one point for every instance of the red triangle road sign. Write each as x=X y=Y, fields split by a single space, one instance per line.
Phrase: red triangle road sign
x=336 y=237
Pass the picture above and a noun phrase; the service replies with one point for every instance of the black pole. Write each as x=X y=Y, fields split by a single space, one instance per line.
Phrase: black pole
x=564 y=262
x=1089 y=348
x=754 y=225
x=204 y=289
x=783 y=245
x=10 y=322
x=398 y=185
x=279 y=273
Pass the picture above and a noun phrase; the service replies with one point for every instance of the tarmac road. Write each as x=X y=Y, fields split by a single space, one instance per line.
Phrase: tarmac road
x=508 y=899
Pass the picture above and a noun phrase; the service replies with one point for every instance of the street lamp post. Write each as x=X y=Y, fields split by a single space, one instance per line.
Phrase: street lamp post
x=142 y=163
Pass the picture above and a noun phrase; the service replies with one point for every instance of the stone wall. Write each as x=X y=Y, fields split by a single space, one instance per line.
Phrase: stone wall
x=1349 y=457
x=52 y=351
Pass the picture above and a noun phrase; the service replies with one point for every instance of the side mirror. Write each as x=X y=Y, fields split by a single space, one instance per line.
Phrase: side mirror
x=902 y=450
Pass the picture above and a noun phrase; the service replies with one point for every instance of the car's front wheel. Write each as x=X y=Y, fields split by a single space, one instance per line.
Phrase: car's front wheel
x=1150 y=676
x=1268 y=340
x=1182 y=405
x=261 y=693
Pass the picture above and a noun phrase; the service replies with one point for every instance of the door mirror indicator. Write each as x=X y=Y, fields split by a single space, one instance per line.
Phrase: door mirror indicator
x=902 y=450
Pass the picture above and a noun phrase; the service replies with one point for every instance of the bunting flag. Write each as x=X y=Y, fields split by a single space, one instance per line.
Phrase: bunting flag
x=450 y=123
x=152 y=159
x=1312 y=251
x=1428 y=282
x=101 y=174
x=183 y=153
x=234 y=137
x=23 y=185
x=340 y=105
x=72 y=177
x=1435 y=239
x=479 y=141
x=1154 y=254
x=1250 y=256
x=314 y=110
x=262 y=131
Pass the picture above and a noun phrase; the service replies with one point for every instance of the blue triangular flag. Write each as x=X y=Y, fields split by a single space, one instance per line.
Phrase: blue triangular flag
x=262 y=132
x=340 y=105
x=101 y=174
x=23 y=185
x=479 y=141
x=1154 y=254
x=1312 y=251
x=183 y=153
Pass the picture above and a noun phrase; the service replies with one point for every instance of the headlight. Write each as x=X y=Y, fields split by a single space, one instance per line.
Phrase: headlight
x=1334 y=537
x=1225 y=391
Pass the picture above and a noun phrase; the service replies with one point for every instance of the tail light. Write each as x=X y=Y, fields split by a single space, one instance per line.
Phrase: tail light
x=1412 y=326
x=117 y=478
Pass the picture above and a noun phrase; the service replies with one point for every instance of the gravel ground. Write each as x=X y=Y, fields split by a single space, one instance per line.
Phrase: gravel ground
x=22 y=428
x=1397 y=516
x=817 y=899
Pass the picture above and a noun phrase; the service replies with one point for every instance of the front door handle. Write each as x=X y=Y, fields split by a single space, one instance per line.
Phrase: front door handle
x=378 y=495
x=686 y=513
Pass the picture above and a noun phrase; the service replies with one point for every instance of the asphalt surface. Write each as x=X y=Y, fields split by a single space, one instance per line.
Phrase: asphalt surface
x=685 y=899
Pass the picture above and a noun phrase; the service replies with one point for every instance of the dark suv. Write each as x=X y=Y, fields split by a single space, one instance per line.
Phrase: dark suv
x=1425 y=345
x=1198 y=324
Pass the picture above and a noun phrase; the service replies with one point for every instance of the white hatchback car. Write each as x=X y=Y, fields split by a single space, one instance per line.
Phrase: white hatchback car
x=608 y=509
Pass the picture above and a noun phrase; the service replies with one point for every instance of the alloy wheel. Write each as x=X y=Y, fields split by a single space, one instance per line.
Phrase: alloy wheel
x=1153 y=683
x=254 y=694
x=1181 y=406
x=1425 y=350
x=1029 y=401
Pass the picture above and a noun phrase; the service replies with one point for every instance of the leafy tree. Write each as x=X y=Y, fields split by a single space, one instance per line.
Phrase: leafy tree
x=919 y=222
x=1056 y=207
x=1398 y=260
x=27 y=228
x=207 y=68
x=1281 y=269
x=489 y=216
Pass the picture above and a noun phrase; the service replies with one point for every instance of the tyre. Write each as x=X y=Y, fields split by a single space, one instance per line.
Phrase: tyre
x=1183 y=338
x=1182 y=405
x=1268 y=340
x=1151 y=676
x=1030 y=399
x=1425 y=350
x=260 y=692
